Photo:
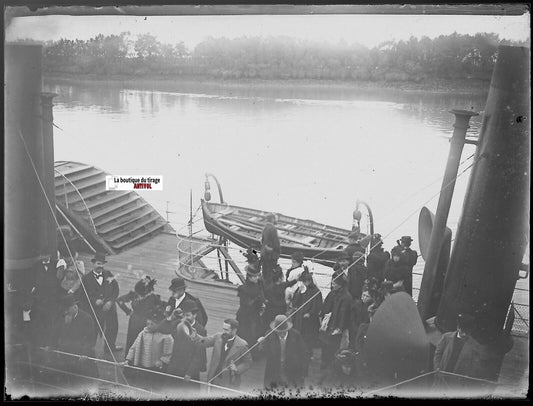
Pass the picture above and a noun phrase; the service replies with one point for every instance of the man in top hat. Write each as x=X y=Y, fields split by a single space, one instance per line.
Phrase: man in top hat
x=377 y=258
x=230 y=357
x=74 y=333
x=286 y=355
x=188 y=357
x=179 y=295
x=270 y=247
x=102 y=289
x=458 y=352
x=408 y=257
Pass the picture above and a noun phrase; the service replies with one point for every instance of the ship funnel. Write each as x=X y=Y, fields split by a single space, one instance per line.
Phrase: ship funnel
x=493 y=232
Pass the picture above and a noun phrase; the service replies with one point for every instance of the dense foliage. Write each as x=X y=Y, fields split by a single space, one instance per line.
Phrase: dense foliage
x=446 y=57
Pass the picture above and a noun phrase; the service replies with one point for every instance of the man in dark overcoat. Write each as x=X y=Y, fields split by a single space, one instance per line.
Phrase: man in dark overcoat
x=74 y=333
x=178 y=288
x=285 y=354
x=377 y=258
x=409 y=258
x=270 y=248
x=458 y=352
x=102 y=289
x=188 y=357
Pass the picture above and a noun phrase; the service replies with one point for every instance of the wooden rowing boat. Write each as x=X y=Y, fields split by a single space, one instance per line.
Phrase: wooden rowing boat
x=243 y=226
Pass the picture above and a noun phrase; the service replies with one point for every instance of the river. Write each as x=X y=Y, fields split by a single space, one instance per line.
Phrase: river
x=309 y=153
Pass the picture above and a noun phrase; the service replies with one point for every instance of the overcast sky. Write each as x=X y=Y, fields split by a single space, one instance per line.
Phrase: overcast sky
x=367 y=29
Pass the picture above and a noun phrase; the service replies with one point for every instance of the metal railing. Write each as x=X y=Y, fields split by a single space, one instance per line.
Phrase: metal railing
x=81 y=197
x=69 y=373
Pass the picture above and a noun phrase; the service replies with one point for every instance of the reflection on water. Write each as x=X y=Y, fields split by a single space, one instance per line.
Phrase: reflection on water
x=305 y=152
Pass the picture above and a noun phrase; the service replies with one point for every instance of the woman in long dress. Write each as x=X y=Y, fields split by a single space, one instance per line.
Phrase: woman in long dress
x=143 y=302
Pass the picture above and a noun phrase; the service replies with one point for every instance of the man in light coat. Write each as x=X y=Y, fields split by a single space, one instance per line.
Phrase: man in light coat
x=230 y=357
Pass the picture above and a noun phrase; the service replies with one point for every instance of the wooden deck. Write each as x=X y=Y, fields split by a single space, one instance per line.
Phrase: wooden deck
x=158 y=257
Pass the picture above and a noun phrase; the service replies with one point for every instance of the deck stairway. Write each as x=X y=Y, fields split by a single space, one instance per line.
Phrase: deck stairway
x=110 y=220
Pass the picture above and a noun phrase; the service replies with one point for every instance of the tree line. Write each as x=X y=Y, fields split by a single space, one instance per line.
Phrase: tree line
x=452 y=56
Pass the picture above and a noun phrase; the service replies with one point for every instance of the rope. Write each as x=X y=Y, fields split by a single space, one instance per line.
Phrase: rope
x=400 y=383
x=68 y=248
x=104 y=361
x=467 y=377
x=340 y=274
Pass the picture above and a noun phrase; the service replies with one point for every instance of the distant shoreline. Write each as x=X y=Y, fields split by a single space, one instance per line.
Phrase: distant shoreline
x=460 y=86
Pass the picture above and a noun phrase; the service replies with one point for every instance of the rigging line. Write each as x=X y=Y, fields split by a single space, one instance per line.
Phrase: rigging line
x=418 y=209
x=399 y=383
x=333 y=279
x=104 y=361
x=430 y=199
x=440 y=372
x=430 y=184
x=78 y=272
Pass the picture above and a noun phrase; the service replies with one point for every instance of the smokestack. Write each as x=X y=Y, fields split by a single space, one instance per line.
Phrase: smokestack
x=50 y=240
x=493 y=231
x=23 y=197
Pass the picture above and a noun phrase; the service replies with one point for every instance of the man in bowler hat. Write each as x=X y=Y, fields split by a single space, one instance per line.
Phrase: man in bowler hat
x=102 y=291
x=174 y=309
x=285 y=355
x=409 y=258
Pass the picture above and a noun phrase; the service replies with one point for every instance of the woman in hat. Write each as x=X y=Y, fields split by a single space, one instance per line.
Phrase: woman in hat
x=396 y=271
x=285 y=349
x=251 y=307
x=151 y=351
x=275 y=296
x=307 y=302
x=143 y=302
x=335 y=315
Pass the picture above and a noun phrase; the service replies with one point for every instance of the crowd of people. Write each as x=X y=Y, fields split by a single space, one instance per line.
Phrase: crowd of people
x=282 y=317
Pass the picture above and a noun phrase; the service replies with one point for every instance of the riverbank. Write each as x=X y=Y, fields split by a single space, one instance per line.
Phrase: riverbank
x=193 y=84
